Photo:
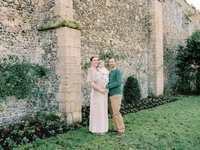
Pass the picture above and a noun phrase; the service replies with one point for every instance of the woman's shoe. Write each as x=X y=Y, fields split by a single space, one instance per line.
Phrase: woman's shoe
x=100 y=133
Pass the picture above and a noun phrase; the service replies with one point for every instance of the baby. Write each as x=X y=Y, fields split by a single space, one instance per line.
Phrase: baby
x=104 y=72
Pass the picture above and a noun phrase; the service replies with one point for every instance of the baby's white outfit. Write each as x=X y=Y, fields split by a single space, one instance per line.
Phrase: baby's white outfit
x=104 y=74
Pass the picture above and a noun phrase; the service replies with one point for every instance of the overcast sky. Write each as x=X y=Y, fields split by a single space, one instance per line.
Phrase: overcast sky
x=195 y=3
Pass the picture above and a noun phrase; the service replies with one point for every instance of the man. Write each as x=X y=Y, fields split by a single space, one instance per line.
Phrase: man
x=115 y=97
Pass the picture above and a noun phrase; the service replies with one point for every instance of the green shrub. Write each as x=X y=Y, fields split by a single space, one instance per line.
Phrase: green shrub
x=188 y=64
x=132 y=91
x=20 y=78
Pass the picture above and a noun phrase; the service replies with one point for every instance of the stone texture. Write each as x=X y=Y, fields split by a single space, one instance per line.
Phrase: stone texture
x=156 y=80
x=120 y=26
x=68 y=68
x=19 y=21
x=127 y=27
x=177 y=27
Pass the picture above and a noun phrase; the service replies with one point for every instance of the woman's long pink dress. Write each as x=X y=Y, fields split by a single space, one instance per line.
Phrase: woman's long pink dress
x=98 y=122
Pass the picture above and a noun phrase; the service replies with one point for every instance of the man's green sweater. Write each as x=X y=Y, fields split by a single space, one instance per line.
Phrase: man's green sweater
x=114 y=85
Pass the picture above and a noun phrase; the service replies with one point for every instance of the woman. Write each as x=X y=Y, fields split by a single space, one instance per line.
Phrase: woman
x=98 y=123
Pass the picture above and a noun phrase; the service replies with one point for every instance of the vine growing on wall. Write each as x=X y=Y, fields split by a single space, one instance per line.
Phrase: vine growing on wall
x=105 y=56
x=20 y=78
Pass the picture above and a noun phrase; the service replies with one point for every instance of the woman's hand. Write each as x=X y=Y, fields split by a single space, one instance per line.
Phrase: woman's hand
x=104 y=91
x=103 y=86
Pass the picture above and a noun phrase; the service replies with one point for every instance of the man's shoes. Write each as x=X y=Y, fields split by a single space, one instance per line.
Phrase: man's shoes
x=119 y=134
x=112 y=130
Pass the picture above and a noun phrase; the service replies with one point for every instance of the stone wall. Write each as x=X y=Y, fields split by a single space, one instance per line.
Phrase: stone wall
x=19 y=20
x=140 y=30
x=119 y=26
x=180 y=20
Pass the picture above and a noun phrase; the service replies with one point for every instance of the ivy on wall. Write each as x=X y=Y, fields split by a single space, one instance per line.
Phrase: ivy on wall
x=105 y=56
x=20 y=78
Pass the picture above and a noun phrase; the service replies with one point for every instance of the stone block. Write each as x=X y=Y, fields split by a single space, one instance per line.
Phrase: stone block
x=63 y=11
x=69 y=92
x=69 y=13
x=72 y=69
x=70 y=85
x=65 y=40
x=62 y=106
x=77 y=116
x=61 y=97
x=60 y=31
x=69 y=118
x=75 y=51
x=60 y=71
x=74 y=106
x=68 y=37
x=62 y=87
x=67 y=60
x=63 y=51
x=71 y=51
x=156 y=46
x=78 y=61
x=69 y=72
x=68 y=3
x=77 y=41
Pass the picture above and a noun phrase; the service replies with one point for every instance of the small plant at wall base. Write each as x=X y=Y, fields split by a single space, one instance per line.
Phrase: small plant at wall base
x=188 y=64
x=132 y=91
x=20 y=78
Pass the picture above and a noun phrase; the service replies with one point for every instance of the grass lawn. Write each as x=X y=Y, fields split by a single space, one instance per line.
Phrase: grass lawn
x=171 y=126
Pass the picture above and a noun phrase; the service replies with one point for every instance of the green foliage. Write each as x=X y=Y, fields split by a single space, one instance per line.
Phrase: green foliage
x=45 y=118
x=105 y=56
x=86 y=66
x=188 y=64
x=44 y=125
x=20 y=78
x=145 y=103
x=132 y=91
x=164 y=127
x=65 y=23
x=1 y=108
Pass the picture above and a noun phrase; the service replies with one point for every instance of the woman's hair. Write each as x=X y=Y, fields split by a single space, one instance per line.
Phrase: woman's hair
x=92 y=58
